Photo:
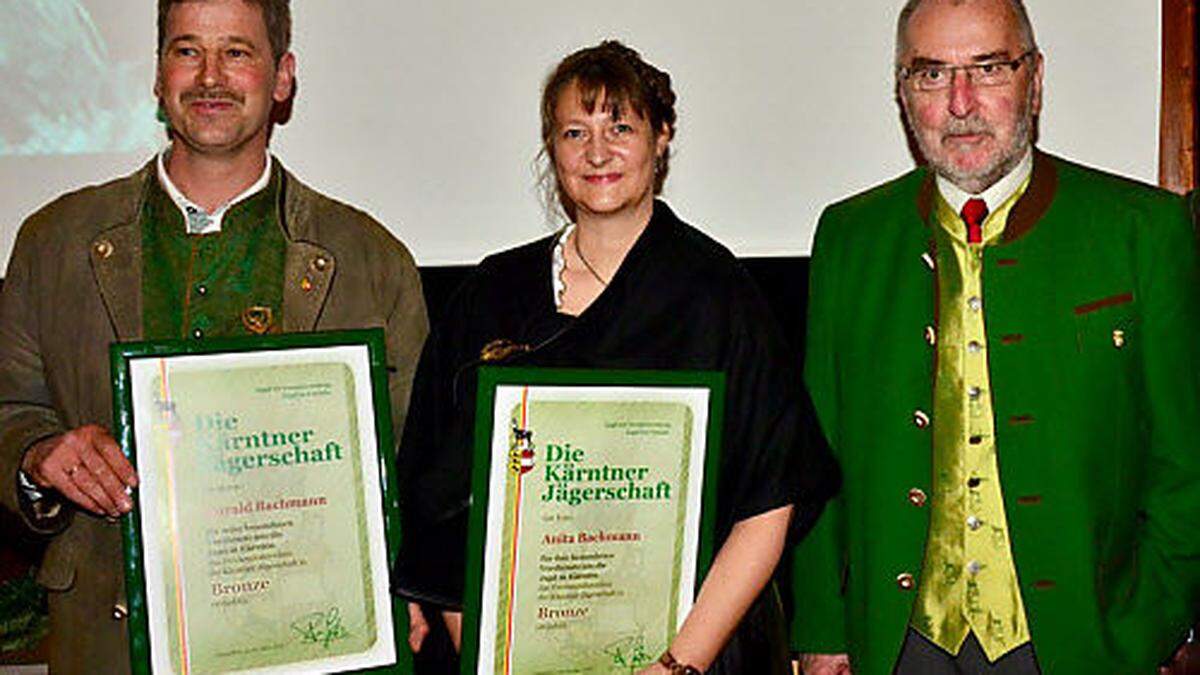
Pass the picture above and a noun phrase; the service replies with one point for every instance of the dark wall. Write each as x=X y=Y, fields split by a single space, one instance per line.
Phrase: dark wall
x=784 y=282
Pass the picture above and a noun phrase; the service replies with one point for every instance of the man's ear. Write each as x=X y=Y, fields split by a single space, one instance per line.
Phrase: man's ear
x=1037 y=71
x=285 y=77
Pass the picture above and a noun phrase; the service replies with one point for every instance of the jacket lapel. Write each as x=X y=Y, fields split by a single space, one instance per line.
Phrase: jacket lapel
x=307 y=273
x=308 y=269
x=115 y=256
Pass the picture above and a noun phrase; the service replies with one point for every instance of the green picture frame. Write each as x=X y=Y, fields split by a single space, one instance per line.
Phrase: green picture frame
x=639 y=386
x=381 y=491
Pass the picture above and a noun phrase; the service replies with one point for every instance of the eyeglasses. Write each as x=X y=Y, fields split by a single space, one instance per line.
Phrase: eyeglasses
x=935 y=77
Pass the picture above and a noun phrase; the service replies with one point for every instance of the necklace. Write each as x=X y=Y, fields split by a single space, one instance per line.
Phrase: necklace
x=588 y=265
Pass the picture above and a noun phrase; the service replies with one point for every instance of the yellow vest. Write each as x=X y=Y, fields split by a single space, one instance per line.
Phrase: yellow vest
x=968 y=580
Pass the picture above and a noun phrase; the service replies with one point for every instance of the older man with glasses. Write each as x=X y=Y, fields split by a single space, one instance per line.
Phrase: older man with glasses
x=1002 y=353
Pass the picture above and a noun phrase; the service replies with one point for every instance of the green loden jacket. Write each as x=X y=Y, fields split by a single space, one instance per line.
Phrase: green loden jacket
x=1092 y=309
x=74 y=285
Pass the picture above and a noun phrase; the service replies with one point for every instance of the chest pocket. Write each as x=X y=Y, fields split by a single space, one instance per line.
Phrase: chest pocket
x=1108 y=325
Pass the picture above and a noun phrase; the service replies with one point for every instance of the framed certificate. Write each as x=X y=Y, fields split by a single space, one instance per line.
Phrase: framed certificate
x=266 y=515
x=592 y=516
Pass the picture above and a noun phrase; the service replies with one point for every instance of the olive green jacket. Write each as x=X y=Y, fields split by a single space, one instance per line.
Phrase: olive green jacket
x=1092 y=310
x=74 y=285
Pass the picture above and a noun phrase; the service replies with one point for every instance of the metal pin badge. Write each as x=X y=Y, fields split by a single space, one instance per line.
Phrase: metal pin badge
x=258 y=320
x=1118 y=338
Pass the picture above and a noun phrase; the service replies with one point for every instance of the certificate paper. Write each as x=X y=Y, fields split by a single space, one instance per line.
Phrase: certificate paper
x=260 y=515
x=593 y=525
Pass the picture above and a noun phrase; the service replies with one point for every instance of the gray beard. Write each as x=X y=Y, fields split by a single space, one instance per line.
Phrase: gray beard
x=976 y=182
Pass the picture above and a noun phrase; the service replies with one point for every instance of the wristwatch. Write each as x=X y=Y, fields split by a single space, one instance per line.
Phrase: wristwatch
x=668 y=661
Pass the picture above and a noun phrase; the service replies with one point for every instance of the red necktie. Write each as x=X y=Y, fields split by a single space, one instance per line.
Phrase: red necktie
x=973 y=214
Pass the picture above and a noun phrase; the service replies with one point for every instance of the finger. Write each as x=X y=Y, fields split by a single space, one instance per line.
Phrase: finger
x=454 y=625
x=110 y=451
x=88 y=485
x=112 y=486
x=418 y=627
x=62 y=482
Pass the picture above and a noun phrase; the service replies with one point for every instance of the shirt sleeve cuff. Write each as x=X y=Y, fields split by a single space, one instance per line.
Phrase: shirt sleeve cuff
x=43 y=509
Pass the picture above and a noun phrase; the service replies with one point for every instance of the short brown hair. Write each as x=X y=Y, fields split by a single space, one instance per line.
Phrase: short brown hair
x=277 y=15
x=626 y=81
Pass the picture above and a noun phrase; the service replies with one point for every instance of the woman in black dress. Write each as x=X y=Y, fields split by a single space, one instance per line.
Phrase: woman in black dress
x=625 y=285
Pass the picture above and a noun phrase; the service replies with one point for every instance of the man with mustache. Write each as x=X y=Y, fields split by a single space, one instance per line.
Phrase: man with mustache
x=1002 y=353
x=211 y=238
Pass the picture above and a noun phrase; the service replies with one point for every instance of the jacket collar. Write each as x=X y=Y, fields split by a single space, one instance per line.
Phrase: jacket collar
x=1029 y=209
x=115 y=255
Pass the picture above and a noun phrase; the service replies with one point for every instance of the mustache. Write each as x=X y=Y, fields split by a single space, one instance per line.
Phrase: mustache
x=214 y=94
x=965 y=127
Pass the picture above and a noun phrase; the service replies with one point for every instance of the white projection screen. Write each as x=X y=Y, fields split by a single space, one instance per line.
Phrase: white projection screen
x=425 y=112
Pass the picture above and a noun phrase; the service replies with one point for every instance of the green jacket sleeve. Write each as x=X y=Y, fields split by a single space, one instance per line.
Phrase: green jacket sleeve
x=818 y=568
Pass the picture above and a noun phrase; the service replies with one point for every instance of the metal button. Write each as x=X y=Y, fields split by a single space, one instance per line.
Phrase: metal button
x=905 y=581
x=974 y=566
x=104 y=248
x=202 y=290
x=320 y=262
x=920 y=419
x=975 y=440
x=974 y=393
x=974 y=347
x=916 y=497
x=930 y=336
x=974 y=523
x=119 y=612
x=974 y=481
x=974 y=303
x=1118 y=338
x=197 y=334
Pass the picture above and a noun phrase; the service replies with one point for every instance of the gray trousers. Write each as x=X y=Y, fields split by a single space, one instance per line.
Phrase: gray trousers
x=919 y=656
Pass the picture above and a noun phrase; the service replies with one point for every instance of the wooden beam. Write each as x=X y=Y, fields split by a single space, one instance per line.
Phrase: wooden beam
x=1177 y=156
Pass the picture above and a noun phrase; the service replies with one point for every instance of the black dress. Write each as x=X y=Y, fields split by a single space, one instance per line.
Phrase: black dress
x=679 y=301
